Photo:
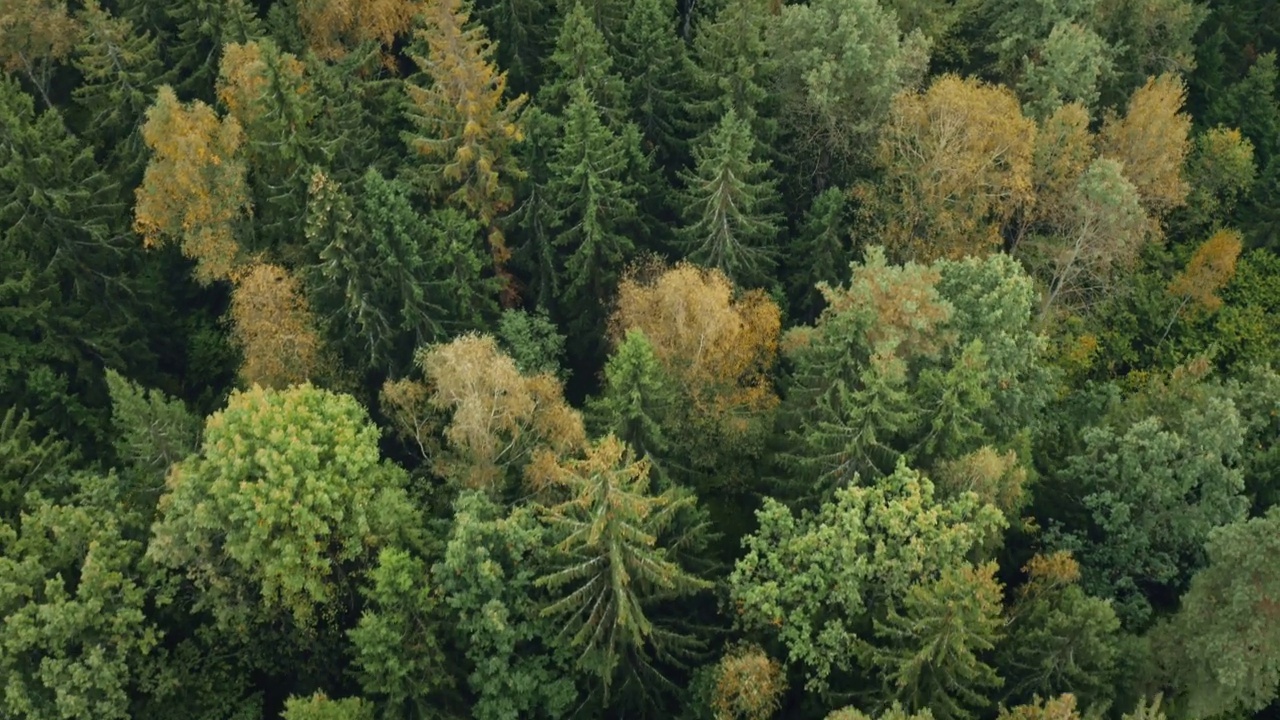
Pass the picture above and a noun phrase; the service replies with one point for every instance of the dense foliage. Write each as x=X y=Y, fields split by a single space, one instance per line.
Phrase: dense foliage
x=701 y=359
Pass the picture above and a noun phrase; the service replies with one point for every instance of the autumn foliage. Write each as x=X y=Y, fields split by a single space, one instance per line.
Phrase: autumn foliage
x=334 y=27
x=194 y=191
x=273 y=325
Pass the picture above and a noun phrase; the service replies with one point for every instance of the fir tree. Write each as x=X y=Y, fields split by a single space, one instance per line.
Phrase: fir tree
x=728 y=203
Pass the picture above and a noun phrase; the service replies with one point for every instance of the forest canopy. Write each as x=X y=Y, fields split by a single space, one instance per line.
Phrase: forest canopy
x=695 y=359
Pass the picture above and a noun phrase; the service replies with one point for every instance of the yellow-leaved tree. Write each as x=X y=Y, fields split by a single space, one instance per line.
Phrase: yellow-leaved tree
x=957 y=162
x=194 y=190
x=333 y=27
x=466 y=126
x=497 y=421
x=273 y=326
x=1152 y=140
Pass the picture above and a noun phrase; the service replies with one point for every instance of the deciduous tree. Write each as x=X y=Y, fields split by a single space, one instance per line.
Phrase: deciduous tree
x=273 y=325
x=1151 y=141
x=333 y=27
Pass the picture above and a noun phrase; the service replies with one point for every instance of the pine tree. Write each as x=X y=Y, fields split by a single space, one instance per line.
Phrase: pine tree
x=637 y=402
x=613 y=567
x=388 y=279
x=933 y=656
x=466 y=126
x=594 y=210
x=655 y=64
x=728 y=206
x=266 y=91
x=204 y=27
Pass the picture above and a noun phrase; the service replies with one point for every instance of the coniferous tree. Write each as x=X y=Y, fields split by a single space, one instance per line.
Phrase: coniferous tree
x=203 y=28
x=612 y=567
x=583 y=56
x=655 y=63
x=818 y=253
x=637 y=401
x=594 y=205
x=734 y=69
x=522 y=30
x=728 y=206
x=465 y=124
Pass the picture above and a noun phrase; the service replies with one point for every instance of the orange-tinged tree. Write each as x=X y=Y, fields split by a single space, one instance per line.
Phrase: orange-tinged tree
x=958 y=166
x=466 y=125
x=1152 y=141
x=1063 y=150
x=273 y=325
x=1209 y=270
x=498 y=419
x=748 y=685
x=194 y=190
x=333 y=27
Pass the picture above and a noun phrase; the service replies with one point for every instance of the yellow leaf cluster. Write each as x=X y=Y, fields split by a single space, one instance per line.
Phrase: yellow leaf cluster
x=996 y=478
x=1210 y=269
x=246 y=78
x=35 y=30
x=499 y=416
x=194 y=190
x=1049 y=572
x=1064 y=148
x=272 y=324
x=333 y=27
x=749 y=685
x=958 y=165
x=1152 y=141
x=720 y=344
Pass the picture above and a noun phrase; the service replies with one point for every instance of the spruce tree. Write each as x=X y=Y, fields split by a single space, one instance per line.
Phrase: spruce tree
x=638 y=400
x=594 y=210
x=820 y=252
x=655 y=63
x=204 y=28
x=727 y=206
x=613 y=567
x=734 y=68
x=521 y=29
x=583 y=55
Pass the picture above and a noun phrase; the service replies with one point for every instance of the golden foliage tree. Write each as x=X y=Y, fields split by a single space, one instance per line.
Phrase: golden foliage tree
x=334 y=27
x=273 y=325
x=719 y=343
x=466 y=127
x=1152 y=141
x=1209 y=270
x=194 y=190
x=1063 y=151
x=498 y=419
x=996 y=478
x=247 y=74
x=958 y=166
x=748 y=685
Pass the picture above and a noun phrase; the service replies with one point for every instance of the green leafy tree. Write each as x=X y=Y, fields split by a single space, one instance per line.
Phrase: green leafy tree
x=818 y=581
x=728 y=205
x=533 y=341
x=28 y=462
x=321 y=707
x=1150 y=489
x=612 y=566
x=1225 y=630
x=287 y=490
x=487 y=576
x=78 y=627
x=398 y=653
x=932 y=651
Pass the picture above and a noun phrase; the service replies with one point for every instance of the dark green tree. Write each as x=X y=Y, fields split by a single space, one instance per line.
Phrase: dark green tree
x=637 y=402
x=533 y=341
x=521 y=30
x=583 y=56
x=729 y=206
x=595 y=214
x=655 y=63
x=193 y=52
x=818 y=253
x=735 y=70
